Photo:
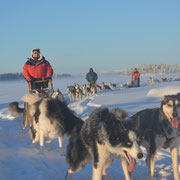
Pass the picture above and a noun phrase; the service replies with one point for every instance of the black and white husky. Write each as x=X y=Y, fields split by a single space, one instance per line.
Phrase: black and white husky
x=50 y=119
x=159 y=128
x=105 y=135
x=27 y=118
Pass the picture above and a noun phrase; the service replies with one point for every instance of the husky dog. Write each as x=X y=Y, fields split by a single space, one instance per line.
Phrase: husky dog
x=51 y=118
x=152 y=81
x=125 y=85
x=93 y=89
x=88 y=90
x=105 y=135
x=112 y=86
x=58 y=95
x=159 y=128
x=27 y=118
x=98 y=87
x=84 y=90
x=79 y=93
x=164 y=79
x=71 y=92
x=104 y=87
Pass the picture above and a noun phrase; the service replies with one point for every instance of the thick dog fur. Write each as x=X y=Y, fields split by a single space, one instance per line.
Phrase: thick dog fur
x=159 y=128
x=71 y=92
x=15 y=109
x=27 y=118
x=51 y=119
x=104 y=136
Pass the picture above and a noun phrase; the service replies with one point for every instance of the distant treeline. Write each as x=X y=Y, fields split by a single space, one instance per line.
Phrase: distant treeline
x=144 y=69
x=18 y=76
x=154 y=69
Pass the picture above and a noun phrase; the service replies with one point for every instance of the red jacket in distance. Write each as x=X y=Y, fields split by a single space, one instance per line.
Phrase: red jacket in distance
x=135 y=75
x=37 y=69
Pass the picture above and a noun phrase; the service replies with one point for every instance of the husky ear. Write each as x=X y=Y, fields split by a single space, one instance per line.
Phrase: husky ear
x=178 y=95
x=115 y=134
x=165 y=99
x=36 y=91
x=137 y=124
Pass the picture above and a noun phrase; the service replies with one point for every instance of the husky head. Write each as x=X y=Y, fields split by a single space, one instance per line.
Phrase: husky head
x=170 y=106
x=41 y=93
x=57 y=95
x=126 y=144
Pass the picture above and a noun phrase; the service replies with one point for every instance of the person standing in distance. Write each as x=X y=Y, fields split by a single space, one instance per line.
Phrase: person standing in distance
x=91 y=77
x=37 y=68
x=135 y=80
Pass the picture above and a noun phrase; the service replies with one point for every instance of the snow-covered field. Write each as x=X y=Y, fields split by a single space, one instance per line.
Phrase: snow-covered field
x=20 y=161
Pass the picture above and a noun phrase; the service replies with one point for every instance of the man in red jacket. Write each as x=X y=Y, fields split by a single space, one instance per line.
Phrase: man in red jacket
x=135 y=81
x=37 y=68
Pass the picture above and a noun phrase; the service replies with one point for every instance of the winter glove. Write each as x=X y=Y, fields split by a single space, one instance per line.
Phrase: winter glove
x=49 y=78
x=30 y=80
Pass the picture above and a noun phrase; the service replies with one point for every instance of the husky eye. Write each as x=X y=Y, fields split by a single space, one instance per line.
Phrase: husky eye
x=138 y=141
x=129 y=144
x=169 y=105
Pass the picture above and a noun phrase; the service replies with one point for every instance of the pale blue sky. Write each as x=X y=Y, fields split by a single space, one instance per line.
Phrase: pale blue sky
x=77 y=34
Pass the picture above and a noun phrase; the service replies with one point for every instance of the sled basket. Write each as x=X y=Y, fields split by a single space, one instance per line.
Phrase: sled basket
x=44 y=89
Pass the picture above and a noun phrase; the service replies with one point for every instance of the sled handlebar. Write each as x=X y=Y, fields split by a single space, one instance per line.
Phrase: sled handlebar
x=40 y=81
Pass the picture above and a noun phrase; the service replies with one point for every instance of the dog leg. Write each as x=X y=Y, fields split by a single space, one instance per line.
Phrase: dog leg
x=41 y=139
x=104 y=172
x=97 y=171
x=99 y=162
x=73 y=98
x=151 y=165
x=124 y=164
x=41 y=143
x=25 y=120
x=174 y=156
x=68 y=176
x=60 y=140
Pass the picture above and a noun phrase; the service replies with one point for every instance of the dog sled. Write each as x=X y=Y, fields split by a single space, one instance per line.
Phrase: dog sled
x=134 y=83
x=50 y=89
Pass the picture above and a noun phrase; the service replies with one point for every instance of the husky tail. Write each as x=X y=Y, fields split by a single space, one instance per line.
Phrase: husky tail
x=30 y=99
x=15 y=109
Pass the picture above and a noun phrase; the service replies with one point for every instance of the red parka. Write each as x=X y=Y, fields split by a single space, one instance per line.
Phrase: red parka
x=37 y=70
x=135 y=75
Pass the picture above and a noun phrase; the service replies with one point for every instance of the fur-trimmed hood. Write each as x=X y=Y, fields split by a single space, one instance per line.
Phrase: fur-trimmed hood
x=39 y=59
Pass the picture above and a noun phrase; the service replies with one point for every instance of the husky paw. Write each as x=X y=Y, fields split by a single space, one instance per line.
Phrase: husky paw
x=41 y=151
x=62 y=153
x=49 y=147
x=33 y=145
x=68 y=176
x=106 y=177
x=156 y=175
x=23 y=131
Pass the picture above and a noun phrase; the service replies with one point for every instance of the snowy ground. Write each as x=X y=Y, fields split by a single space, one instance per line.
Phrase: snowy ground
x=19 y=160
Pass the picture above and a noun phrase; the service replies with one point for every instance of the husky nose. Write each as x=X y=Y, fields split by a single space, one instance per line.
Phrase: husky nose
x=140 y=155
x=174 y=114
